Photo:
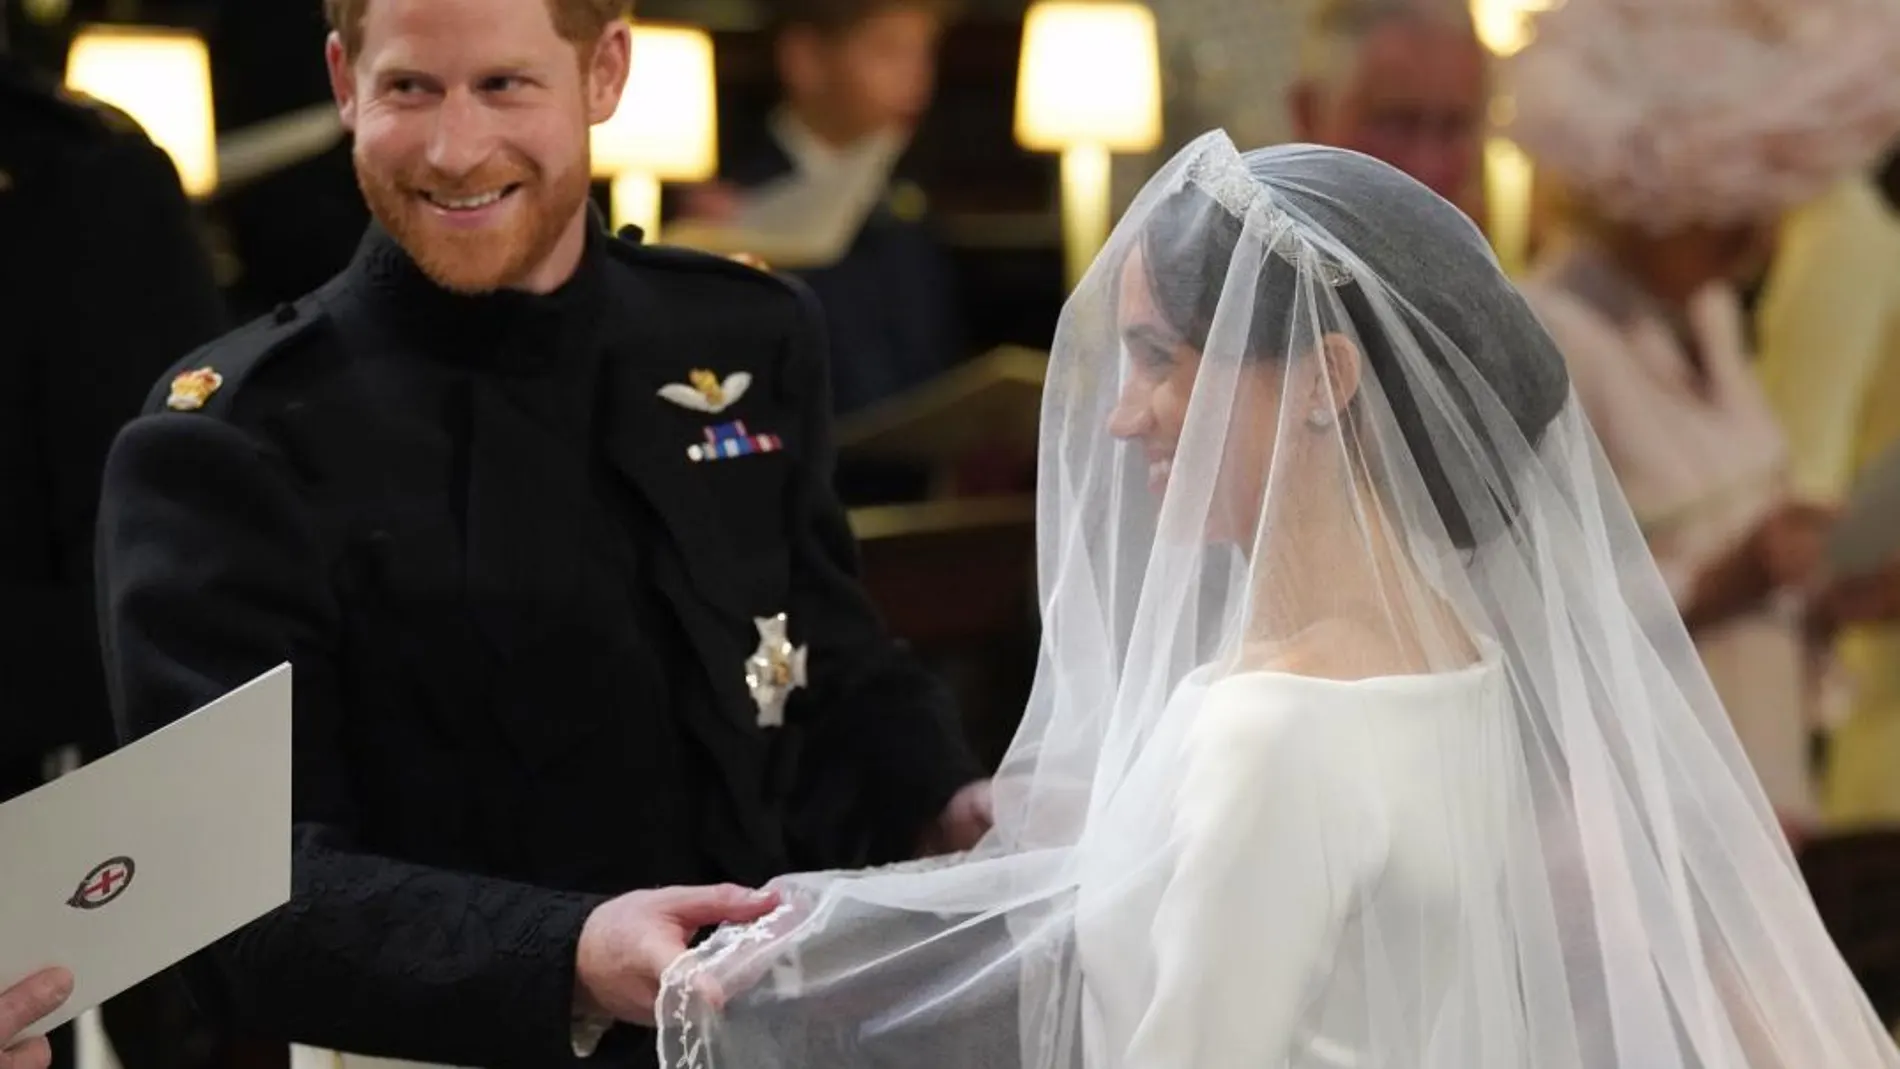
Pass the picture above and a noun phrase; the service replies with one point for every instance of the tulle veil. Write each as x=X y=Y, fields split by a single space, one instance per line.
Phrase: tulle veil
x=1365 y=732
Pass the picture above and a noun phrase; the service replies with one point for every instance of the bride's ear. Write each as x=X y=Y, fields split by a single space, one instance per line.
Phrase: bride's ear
x=1340 y=366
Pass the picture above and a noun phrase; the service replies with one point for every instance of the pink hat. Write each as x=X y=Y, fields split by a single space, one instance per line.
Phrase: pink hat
x=1666 y=113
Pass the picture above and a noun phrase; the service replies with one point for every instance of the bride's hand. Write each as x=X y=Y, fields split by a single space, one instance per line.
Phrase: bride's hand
x=963 y=822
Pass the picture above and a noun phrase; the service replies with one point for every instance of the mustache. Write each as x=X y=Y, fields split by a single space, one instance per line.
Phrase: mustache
x=495 y=173
x=482 y=181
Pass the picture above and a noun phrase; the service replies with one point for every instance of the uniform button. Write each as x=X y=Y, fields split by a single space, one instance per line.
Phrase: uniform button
x=284 y=313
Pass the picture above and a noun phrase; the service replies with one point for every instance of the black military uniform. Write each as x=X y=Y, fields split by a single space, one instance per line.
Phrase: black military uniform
x=519 y=550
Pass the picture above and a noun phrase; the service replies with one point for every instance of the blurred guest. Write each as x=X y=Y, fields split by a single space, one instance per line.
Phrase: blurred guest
x=853 y=72
x=103 y=284
x=1404 y=81
x=1676 y=174
x=1830 y=339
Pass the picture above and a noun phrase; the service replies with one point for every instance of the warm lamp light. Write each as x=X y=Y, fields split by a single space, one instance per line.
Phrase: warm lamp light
x=162 y=78
x=1505 y=25
x=1508 y=178
x=1089 y=84
x=665 y=129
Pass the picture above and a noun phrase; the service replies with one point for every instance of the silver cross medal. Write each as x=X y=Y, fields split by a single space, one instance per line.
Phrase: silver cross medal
x=775 y=670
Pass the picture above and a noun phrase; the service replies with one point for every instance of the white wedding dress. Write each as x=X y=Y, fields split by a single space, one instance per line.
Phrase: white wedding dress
x=1296 y=406
x=1383 y=799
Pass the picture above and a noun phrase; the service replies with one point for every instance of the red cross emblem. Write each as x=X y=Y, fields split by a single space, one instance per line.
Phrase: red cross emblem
x=107 y=881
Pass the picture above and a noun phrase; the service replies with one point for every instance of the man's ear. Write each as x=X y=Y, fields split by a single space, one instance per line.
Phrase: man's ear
x=342 y=80
x=607 y=71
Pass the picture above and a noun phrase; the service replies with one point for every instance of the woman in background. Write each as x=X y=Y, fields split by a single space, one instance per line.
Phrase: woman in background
x=1679 y=133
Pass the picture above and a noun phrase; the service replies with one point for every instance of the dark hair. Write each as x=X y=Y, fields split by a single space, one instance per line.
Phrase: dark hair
x=832 y=18
x=1424 y=248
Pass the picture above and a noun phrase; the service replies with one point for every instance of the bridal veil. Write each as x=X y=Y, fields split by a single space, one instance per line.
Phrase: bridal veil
x=1311 y=470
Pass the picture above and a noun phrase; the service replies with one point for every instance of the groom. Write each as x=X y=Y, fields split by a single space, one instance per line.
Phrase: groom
x=543 y=521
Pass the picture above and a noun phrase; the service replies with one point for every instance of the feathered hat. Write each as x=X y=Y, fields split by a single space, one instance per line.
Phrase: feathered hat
x=1668 y=113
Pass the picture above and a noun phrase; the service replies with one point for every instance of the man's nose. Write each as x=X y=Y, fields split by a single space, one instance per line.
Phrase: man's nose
x=461 y=139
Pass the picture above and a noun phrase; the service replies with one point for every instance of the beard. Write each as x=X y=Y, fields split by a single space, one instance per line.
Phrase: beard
x=529 y=222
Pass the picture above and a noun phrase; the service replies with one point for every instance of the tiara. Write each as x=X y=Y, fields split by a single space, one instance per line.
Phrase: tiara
x=1221 y=174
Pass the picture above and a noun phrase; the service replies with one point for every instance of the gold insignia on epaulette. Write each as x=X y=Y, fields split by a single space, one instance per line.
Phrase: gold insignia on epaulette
x=748 y=259
x=191 y=389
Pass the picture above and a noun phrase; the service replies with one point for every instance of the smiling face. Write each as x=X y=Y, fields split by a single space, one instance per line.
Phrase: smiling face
x=471 y=122
x=1152 y=411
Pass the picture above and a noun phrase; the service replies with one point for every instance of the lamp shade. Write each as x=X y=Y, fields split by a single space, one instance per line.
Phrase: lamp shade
x=665 y=126
x=1090 y=75
x=162 y=78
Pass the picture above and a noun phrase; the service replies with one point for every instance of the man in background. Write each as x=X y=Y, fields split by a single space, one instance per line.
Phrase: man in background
x=1404 y=81
x=103 y=283
x=852 y=71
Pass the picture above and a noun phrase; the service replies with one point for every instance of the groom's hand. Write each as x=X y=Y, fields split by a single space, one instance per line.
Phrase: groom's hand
x=627 y=943
x=962 y=823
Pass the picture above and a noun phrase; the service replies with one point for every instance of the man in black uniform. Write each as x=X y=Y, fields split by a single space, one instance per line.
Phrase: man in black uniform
x=103 y=284
x=542 y=520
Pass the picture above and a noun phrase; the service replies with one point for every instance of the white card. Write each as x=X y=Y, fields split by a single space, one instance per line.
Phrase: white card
x=130 y=864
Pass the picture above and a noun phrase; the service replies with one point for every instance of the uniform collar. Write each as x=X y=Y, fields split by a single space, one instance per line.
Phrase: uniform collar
x=507 y=330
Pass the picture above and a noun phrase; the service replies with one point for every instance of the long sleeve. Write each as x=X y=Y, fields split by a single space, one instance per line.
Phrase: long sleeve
x=881 y=716
x=1267 y=855
x=210 y=573
x=115 y=287
x=1825 y=322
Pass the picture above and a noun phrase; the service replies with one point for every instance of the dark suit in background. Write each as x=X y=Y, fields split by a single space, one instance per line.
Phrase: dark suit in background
x=889 y=303
x=103 y=283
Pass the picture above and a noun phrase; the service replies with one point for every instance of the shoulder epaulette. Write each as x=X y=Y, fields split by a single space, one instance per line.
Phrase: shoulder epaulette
x=206 y=380
x=105 y=116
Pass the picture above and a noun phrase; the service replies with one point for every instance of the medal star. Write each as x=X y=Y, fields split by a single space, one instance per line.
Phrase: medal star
x=774 y=670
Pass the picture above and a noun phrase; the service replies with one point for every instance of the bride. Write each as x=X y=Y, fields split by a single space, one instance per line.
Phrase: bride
x=1365 y=732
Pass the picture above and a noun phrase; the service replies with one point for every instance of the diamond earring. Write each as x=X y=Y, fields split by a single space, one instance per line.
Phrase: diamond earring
x=1319 y=419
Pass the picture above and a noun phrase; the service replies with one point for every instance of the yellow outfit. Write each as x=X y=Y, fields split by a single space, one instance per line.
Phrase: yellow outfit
x=1830 y=364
